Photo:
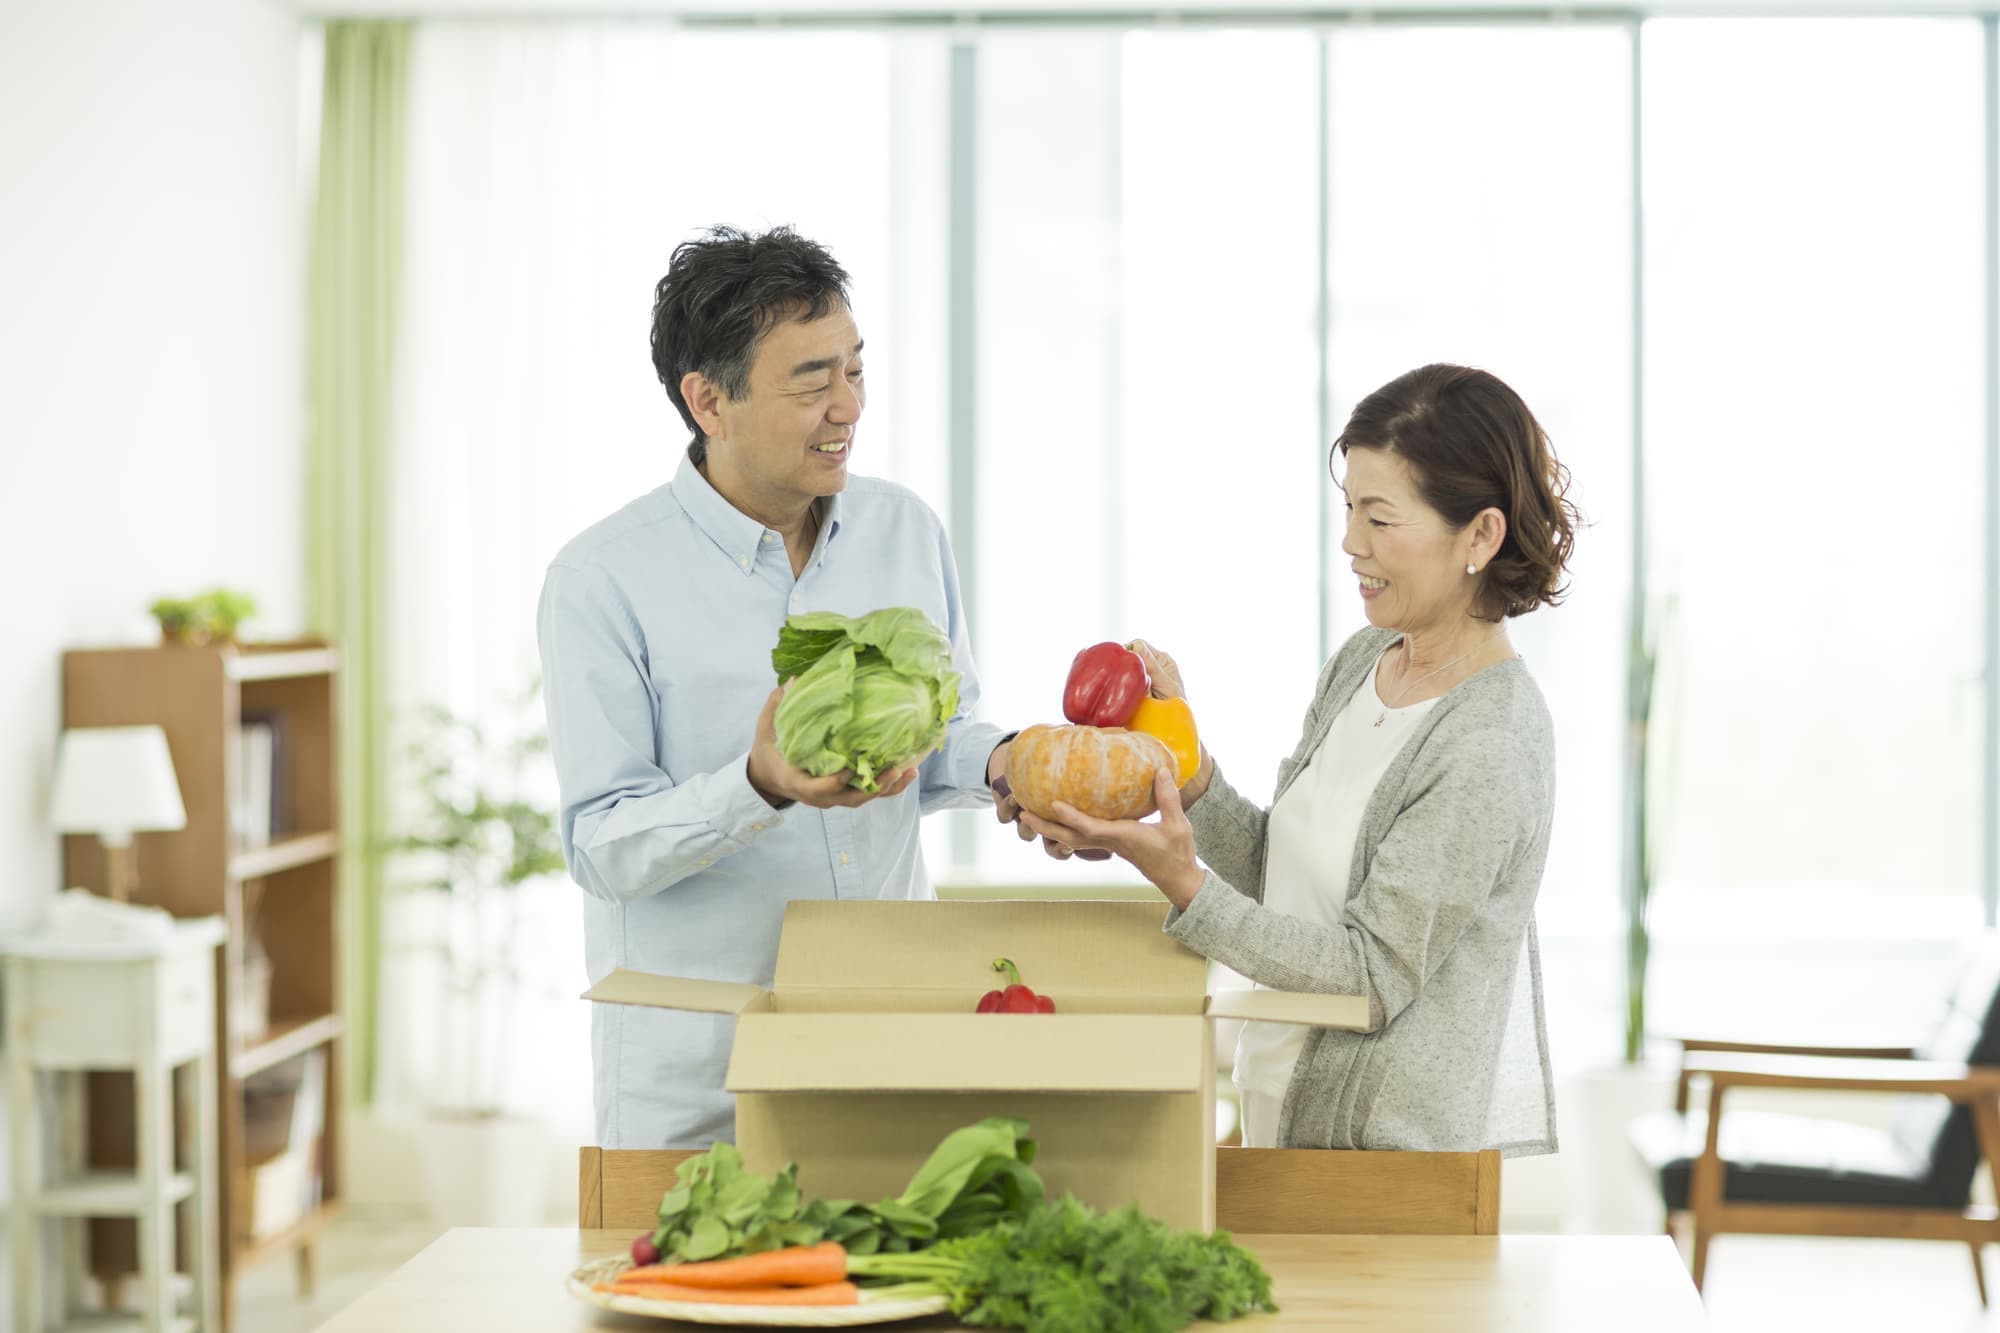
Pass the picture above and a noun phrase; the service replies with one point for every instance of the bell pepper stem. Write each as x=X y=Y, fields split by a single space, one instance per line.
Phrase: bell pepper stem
x=1007 y=965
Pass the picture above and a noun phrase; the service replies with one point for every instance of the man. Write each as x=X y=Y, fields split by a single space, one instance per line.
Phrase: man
x=684 y=825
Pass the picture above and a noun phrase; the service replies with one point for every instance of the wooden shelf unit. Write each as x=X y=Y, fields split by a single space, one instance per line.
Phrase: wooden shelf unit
x=283 y=894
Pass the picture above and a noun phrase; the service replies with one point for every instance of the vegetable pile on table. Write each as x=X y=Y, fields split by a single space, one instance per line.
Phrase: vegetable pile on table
x=973 y=1227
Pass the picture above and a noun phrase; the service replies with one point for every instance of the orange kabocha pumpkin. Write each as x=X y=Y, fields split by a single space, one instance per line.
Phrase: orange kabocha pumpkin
x=1106 y=772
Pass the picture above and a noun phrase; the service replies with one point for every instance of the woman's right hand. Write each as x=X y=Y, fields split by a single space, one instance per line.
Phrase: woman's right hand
x=1166 y=677
x=1165 y=674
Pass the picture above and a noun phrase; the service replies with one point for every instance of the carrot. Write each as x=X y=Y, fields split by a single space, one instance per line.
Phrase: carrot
x=826 y=1293
x=794 y=1266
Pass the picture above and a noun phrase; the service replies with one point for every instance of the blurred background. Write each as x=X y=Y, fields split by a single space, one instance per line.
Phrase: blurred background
x=1122 y=274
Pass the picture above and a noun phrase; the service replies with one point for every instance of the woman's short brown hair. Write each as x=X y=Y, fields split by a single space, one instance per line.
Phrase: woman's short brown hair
x=1472 y=444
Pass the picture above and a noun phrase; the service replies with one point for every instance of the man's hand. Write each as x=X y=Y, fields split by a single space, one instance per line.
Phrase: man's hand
x=1005 y=808
x=779 y=783
x=1008 y=810
x=1162 y=851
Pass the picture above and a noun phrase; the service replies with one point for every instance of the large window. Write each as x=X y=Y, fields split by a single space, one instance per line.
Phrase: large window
x=553 y=168
x=1493 y=228
x=1814 y=390
x=1147 y=453
x=1188 y=252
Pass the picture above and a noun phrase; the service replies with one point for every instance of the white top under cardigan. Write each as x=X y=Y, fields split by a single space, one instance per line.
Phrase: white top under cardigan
x=1312 y=831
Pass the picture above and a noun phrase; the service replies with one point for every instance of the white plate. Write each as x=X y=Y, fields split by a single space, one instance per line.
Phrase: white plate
x=583 y=1285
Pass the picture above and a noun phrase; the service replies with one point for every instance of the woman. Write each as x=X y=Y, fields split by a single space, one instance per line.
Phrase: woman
x=1402 y=854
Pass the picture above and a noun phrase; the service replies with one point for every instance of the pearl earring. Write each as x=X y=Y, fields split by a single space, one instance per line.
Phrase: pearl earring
x=1472 y=569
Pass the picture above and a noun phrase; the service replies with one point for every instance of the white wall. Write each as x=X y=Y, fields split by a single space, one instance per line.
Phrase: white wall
x=152 y=345
x=152 y=255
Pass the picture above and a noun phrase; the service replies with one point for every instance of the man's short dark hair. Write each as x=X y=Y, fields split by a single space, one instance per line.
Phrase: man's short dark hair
x=723 y=292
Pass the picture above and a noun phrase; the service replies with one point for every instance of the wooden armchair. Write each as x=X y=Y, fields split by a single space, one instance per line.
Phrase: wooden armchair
x=1795 y=1174
x=1257 y=1190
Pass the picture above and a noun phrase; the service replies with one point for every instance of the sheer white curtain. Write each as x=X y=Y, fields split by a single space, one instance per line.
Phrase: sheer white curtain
x=553 y=168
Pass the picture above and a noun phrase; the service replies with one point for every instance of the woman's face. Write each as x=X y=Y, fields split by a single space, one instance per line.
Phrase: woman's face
x=1409 y=562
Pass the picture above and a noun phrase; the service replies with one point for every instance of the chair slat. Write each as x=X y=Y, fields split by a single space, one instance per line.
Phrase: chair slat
x=1264 y=1190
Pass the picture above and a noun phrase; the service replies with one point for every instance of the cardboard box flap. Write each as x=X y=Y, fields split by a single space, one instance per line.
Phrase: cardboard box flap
x=814 y=1052
x=1277 y=1006
x=1074 y=948
x=707 y=997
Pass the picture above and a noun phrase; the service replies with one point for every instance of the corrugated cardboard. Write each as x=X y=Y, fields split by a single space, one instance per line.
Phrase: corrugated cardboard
x=866 y=1050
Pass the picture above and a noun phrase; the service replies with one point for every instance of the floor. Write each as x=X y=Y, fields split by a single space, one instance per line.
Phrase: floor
x=1756 y=1284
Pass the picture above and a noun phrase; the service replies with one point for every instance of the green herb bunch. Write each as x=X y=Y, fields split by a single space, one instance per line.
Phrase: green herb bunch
x=1062 y=1268
x=717 y=1208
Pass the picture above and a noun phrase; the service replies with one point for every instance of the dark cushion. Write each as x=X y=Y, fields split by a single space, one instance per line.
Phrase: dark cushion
x=1776 y=1158
x=1930 y=1129
x=1925 y=1161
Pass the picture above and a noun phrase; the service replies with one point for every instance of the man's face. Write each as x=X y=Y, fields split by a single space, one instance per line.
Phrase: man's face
x=787 y=441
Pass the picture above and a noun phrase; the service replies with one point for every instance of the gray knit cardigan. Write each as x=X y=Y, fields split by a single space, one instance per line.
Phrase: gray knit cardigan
x=1438 y=931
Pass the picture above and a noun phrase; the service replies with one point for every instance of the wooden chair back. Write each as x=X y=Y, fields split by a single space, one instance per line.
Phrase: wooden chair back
x=1306 y=1190
x=1257 y=1190
x=621 y=1188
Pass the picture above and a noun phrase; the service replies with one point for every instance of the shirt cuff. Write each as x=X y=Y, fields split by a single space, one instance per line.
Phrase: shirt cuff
x=734 y=808
x=967 y=753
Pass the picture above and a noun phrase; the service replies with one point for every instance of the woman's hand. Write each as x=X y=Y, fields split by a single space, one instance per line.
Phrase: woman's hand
x=1166 y=677
x=1165 y=673
x=1162 y=851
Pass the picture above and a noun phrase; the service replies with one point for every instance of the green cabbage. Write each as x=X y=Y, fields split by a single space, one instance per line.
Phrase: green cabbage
x=871 y=691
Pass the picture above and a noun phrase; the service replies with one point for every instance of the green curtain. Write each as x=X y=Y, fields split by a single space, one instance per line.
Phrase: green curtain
x=357 y=241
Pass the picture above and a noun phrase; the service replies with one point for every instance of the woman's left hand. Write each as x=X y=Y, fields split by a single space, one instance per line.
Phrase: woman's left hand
x=1162 y=850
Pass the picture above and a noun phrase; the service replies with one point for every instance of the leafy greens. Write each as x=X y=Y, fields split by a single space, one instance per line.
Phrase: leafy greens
x=976 y=1176
x=868 y=692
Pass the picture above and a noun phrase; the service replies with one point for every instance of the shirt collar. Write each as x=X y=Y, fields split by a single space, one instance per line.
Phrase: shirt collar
x=736 y=533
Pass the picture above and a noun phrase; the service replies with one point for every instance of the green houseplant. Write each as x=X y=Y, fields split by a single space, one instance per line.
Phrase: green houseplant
x=477 y=836
x=1606 y=1188
x=209 y=617
x=1646 y=755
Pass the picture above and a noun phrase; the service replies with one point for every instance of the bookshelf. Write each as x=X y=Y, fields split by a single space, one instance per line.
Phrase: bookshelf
x=278 y=897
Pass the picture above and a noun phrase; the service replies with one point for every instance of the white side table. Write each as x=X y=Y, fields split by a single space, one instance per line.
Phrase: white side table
x=73 y=1007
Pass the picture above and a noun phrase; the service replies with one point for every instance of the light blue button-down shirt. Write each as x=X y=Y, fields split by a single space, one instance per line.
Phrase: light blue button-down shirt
x=656 y=631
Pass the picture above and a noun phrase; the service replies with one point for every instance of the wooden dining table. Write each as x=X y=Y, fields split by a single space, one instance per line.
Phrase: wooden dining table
x=508 y=1279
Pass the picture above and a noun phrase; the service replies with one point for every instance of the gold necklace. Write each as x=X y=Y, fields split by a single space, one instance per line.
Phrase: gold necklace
x=1404 y=693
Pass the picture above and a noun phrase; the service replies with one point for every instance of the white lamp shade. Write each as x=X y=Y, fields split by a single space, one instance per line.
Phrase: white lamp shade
x=114 y=782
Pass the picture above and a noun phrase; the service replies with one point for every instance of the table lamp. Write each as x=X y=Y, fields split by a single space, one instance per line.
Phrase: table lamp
x=114 y=782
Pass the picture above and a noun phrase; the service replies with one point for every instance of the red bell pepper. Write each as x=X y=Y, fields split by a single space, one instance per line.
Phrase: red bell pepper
x=1106 y=682
x=1014 y=998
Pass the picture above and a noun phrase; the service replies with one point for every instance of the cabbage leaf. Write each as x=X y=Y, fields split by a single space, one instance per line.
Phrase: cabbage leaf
x=868 y=692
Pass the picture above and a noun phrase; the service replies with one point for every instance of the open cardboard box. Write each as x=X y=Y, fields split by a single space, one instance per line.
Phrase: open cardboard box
x=867 y=1050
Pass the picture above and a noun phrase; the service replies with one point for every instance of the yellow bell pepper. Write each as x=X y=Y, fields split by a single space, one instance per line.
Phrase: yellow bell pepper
x=1172 y=721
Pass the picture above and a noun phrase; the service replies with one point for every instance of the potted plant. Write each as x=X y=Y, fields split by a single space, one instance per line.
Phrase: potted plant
x=476 y=838
x=209 y=617
x=1607 y=1183
x=1641 y=847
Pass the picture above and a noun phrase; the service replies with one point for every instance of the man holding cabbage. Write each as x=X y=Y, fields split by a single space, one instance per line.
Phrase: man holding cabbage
x=700 y=795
